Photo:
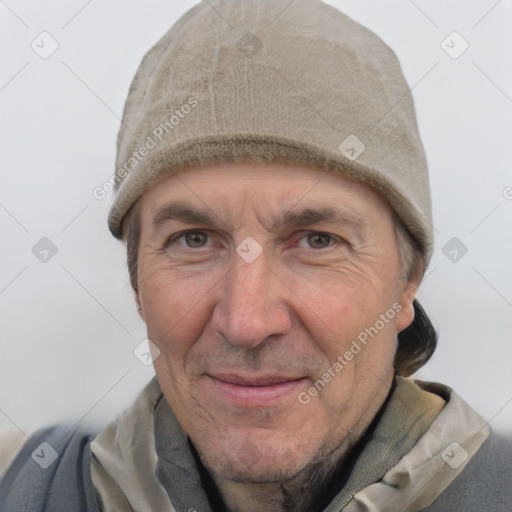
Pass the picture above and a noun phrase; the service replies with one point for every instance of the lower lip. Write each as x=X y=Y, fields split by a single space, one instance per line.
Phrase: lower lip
x=257 y=396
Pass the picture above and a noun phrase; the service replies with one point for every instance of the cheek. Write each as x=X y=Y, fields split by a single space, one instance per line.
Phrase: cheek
x=338 y=311
x=333 y=301
x=175 y=309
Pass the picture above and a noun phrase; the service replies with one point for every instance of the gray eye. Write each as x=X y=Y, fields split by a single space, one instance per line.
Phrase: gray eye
x=319 y=240
x=196 y=239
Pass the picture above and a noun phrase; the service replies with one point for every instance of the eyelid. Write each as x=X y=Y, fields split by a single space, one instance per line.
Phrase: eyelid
x=179 y=234
x=298 y=236
x=304 y=234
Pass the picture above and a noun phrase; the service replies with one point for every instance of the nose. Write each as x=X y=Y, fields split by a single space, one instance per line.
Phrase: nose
x=252 y=306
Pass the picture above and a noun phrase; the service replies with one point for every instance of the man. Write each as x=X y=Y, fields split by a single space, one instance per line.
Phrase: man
x=273 y=194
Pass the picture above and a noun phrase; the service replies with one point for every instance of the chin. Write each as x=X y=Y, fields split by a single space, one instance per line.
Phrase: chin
x=253 y=459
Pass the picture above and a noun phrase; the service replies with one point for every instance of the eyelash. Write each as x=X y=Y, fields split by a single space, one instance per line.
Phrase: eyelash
x=177 y=236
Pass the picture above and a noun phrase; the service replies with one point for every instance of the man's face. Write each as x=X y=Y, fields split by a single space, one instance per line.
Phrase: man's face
x=254 y=280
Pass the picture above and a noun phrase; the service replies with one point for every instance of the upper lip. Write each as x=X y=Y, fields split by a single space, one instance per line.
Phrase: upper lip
x=255 y=380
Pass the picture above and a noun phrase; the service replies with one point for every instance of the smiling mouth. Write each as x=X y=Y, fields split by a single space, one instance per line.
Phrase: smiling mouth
x=255 y=391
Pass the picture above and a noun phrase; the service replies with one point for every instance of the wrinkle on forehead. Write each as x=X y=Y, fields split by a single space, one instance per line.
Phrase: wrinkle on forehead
x=226 y=197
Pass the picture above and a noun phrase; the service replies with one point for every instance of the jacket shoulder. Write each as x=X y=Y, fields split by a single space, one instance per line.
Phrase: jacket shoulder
x=50 y=473
x=11 y=442
x=485 y=483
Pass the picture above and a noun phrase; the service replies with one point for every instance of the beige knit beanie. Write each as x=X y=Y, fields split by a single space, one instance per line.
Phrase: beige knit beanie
x=274 y=81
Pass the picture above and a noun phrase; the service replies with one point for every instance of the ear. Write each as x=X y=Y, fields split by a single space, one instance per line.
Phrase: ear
x=408 y=290
x=139 y=307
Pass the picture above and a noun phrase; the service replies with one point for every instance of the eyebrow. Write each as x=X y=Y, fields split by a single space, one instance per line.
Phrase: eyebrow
x=187 y=214
x=339 y=215
x=182 y=212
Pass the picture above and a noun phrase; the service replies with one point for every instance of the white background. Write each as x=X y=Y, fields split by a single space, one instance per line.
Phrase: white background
x=69 y=326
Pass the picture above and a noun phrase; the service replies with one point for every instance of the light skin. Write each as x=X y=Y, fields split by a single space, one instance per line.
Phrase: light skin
x=239 y=340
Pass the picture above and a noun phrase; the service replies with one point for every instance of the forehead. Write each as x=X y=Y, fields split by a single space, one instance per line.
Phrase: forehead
x=269 y=190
